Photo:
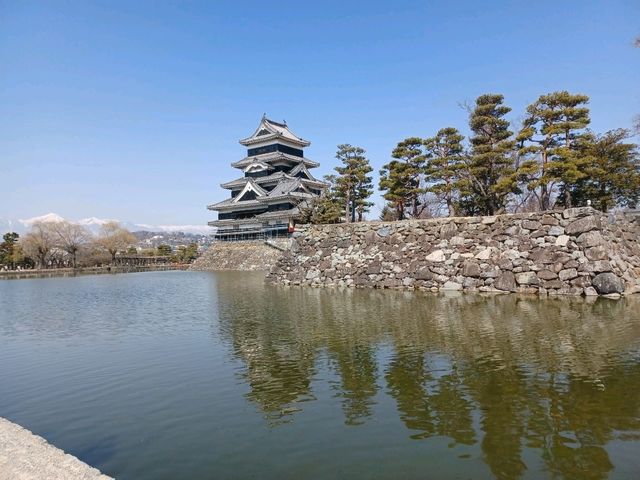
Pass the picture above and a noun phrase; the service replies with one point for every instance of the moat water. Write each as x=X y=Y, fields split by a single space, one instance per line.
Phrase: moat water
x=169 y=375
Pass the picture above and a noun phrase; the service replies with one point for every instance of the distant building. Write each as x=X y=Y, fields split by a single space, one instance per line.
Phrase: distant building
x=275 y=185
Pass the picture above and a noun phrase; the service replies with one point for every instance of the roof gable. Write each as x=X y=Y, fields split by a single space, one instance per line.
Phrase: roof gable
x=270 y=129
x=301 y=171
x=250 y=186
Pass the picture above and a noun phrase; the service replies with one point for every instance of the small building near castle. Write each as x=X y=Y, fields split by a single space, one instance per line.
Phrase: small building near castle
x=276 y=184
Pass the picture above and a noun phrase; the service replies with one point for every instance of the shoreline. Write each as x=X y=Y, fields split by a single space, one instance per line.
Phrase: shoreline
x=25 y=455
x=74 y=272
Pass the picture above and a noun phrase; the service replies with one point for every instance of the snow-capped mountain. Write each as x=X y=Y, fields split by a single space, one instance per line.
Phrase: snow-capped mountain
x=49 y=217
x=93 y=224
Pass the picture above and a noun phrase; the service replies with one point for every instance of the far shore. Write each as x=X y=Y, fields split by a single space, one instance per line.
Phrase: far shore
x=72 y=272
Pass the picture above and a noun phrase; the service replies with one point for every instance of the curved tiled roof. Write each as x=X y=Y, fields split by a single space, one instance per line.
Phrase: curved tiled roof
x=270 y=130
x=269 y=157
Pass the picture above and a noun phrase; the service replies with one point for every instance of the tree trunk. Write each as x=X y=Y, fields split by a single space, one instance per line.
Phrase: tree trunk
x=353 y=207
x=347 y=213
x=451 y=208
x=567 y=198
x=544 y=198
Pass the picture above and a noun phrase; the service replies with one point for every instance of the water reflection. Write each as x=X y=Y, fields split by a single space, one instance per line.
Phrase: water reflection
x=530 y=382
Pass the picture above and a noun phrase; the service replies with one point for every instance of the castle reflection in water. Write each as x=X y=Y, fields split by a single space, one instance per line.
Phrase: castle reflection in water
x=556 y=379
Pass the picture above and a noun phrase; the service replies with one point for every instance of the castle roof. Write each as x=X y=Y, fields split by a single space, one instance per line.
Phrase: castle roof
x=271 y=130
x=287 y=189
x=273 y=157
x=274 y=178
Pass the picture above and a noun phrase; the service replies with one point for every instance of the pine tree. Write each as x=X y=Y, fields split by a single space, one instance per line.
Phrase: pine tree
x=611 y=173
x=354 y=184
x=489 y=176
x=400 y=179
x=546 y=141
x=325 y=209
x=445 y=162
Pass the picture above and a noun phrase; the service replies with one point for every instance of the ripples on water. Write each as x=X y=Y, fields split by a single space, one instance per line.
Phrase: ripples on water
x=196 y=375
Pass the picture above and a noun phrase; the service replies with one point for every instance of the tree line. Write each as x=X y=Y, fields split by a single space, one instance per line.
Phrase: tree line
x=550 y=160
x=67 y=244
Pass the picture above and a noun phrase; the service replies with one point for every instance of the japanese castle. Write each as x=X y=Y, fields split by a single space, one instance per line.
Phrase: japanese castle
x=276 y=184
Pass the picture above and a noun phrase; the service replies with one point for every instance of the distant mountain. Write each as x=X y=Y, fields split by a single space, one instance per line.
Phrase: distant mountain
x=93 y=224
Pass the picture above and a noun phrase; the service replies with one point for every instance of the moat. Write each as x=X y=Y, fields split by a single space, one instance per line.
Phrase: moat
x=218 y=375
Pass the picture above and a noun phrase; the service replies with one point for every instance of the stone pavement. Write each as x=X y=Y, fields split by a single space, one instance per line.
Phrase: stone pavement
x=25 y=456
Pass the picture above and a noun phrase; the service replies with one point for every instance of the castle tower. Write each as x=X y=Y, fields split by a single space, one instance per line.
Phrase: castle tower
x=275 y=185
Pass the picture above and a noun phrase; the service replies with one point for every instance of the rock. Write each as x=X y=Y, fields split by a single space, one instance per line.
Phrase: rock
x=614 y=296
x=488 y=220
x=531 y=224
x=490 y=273
x=456 y=240
x=311 y=274
x=562 y=240
x=597 y=253
x=384 y=231
x=596 y=267
x=542 y=256
x=549 y=220
x=424 y=274
x=569 y=291
x=373 y=268
x=582 y=225
x=451 y=286
x=582 y=282
x=590 y=239
x=577 y=212
x=370 y=236
x=448 y=230
x=568 y=274
x=436 y=256
x=527 y=278
x=556 y=231
x=547 y=275
x=470 y=269
x=606 y=283
x=485 y=254
x=506 y=282
x=471 y=283
x=590 y=292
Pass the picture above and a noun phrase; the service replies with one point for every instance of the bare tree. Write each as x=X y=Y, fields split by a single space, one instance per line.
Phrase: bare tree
x=114 y=238
x=38 y=243
x=70 y=237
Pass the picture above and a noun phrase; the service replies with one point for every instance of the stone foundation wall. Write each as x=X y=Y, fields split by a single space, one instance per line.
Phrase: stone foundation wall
x=572 y=252
x=249 y=255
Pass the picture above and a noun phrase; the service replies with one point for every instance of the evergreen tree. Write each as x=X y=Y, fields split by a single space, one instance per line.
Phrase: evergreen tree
x=489 y=176
x=8 y=249
x=611 y=173
x=388 y=213
x=445 y=162
x=547 y=143
x=400 y=179
x=354 y=184
x=163 y=250
x=328 y=208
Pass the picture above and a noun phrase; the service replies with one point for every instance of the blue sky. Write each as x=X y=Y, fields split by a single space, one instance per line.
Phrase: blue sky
x=132 y=110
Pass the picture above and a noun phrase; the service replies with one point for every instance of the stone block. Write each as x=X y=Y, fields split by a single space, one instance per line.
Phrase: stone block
x=449 y=285
x=582 y=225
x=527 y=278
x=606 y=283
x=506 y=281
x=436 y=256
